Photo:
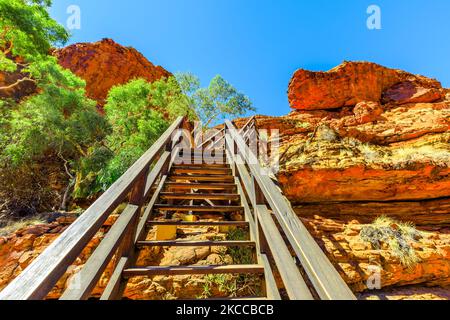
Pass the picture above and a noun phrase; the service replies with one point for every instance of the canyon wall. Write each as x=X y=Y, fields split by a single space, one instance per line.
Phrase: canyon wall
x=105 y=64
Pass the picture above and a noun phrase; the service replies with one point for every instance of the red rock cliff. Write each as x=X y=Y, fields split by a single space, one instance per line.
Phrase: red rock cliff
x=354 y=82
x=105 y=64
x=387 y=143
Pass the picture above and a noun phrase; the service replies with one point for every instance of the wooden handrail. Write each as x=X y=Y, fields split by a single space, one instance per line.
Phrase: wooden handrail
x=326 y=280
x=39 y=278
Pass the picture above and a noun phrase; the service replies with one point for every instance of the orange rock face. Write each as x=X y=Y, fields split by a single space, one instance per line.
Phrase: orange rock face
x=105 y=64
x=357 y=261
x=354 y=82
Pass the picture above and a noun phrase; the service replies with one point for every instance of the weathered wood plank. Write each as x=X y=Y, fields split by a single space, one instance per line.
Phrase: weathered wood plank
x=84 y=282
x=199 y=223
x=199 y=196
x=289 y=272
x=169 y=207
x=187 y=270
x=149 y=210
x=112 y=289
x=155 y=173
x=271 y=284
x=201 y=171
x=201 y=178
x=194 y=243
x=200 y=186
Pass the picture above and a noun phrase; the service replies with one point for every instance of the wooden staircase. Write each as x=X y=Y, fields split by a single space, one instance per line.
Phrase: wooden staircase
x=194 y=190
x=166 y=185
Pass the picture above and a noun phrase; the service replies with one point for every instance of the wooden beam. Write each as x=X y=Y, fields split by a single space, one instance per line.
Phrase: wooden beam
x=169 y=207
x=155 y=173
x=188 y=270
x=200 y=186
x=85 y=281
x=111 y=291
x=201 y=171
x=199 y=196
x=271 y=284
x=199 y=223
x=194 y=243
x=227 y=178
x=292 y=278
x=140 y=233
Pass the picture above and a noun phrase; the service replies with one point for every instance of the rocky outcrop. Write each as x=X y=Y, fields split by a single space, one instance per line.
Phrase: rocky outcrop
x=105 y=64
x=366 y=141
x=354 y=82
x=373 y=148
x=357 y=261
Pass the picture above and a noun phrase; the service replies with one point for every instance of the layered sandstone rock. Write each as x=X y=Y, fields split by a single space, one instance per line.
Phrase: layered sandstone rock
x=105 y=64
x=357 y=261
x=384 y=143
x=354 y=82
x=366 y=141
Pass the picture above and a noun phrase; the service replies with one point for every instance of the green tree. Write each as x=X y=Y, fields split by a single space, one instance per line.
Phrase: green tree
x=27 y=33
x=139 y=112
x=59 y=120
x=220 y=100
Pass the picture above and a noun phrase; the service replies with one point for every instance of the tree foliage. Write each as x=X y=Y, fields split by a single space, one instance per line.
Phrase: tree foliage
x=59 y=120
x=139 y=112
x=27 y=31
x=218 y=101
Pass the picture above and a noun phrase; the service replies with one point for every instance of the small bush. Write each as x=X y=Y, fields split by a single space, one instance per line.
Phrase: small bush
x=398 y=236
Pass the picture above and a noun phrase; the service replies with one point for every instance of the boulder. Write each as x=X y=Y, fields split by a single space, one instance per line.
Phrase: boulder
x=105 y=64
x=353 y=82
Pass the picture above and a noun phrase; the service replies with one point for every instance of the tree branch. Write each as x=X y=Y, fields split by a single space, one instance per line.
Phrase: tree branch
x=15 y=84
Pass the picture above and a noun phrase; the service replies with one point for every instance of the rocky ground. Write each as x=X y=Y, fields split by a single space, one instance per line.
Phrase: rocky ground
x=20 y=248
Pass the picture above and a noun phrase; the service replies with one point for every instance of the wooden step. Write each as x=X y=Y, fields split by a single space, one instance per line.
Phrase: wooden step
x=193 y=243
x=199 y=196
x=200 y=186
x=203 y=165
x=201 y=159
x=248 y=298
x=199 y=223
x=200 y=171
x=169 y=207
x=201 y=178
x=193 y=270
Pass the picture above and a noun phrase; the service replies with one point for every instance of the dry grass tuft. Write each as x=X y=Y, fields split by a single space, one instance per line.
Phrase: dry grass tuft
x=397 y=235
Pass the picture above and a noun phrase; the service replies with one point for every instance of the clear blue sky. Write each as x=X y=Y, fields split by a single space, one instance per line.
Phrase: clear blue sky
x=258 y=44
